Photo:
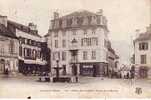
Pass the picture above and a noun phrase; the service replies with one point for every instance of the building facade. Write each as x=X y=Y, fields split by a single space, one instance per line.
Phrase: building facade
x=31 y=58
x=142 y=54
x=113 y=61
x=79 y=41
x=8 y=48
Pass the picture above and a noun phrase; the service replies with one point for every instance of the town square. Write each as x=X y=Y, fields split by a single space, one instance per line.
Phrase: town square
x=59 y=49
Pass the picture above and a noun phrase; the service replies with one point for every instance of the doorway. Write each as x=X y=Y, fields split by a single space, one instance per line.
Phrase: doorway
x=64 y=72
x=2 y=65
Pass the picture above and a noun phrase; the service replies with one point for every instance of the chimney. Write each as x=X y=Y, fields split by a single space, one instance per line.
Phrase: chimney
x=100 y=12
x=56 y=15
x=3 y=20
x=32 y=26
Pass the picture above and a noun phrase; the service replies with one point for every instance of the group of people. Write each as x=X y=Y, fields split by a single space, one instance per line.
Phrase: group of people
x=126 y=74
x=6 y=71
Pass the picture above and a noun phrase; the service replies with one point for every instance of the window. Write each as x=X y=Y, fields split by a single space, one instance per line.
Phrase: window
x=63 y=43
x=39 y=44
x=24 y=52
x=143 y=46
x=32 y=42
x=85 y=54
x=53 y=56
x=2 y=49
x=22 y=40
x=25 y=40
x=34 y=54
x=82 y=42
x=39 y=54
x=93 y=54
x=28 y=52
x=57 y=55
x=93 y=32
x=89 y=41
x=85 y=31
x=98 y=20
x=28 y=41
x=79 y=20
x=20 y=51
x=89 y=19
x=56 y=43
x=105 y=43
x=74 y=33
x=143 y=59
x=63 y=56
x=63 y=33
x=11 y=47
x=95 y=41
x=55 y=34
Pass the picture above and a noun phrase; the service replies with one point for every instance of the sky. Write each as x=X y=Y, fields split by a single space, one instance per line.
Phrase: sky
x=124 y=16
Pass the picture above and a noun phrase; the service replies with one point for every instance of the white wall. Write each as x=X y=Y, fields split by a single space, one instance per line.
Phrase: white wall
x=138 y=53
x=101 y=51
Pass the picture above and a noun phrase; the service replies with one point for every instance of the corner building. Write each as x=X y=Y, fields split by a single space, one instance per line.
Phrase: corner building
x=32 y=59
x=81 y=39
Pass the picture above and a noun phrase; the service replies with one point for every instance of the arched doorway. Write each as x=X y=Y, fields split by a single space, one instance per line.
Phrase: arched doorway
x=2 y=65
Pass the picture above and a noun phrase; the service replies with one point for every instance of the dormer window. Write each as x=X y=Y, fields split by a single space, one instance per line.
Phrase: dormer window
x=98 y=19
x=79 y=20
x=89 y=19
x=69 y=22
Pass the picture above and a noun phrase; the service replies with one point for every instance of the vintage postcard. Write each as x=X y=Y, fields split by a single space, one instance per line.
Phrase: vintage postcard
x=75 y=49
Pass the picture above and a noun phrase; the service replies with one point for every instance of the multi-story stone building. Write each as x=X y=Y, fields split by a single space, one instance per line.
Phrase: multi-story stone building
x=32 y=48
x=142 y=54
x=79 y=41
x=8 y=48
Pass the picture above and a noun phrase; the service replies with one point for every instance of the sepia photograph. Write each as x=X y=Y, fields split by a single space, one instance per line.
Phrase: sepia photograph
x=75 y=49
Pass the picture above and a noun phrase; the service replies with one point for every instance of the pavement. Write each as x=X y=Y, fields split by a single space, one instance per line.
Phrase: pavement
x=87 y=87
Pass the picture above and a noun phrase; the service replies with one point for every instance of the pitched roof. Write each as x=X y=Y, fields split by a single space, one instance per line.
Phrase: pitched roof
x=79 y=13
x=143 y=36
x=4 y=31
x=23 y=28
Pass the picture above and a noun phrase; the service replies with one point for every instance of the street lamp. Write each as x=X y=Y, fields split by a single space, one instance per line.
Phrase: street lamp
x=57 y=69
x=74 y=51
